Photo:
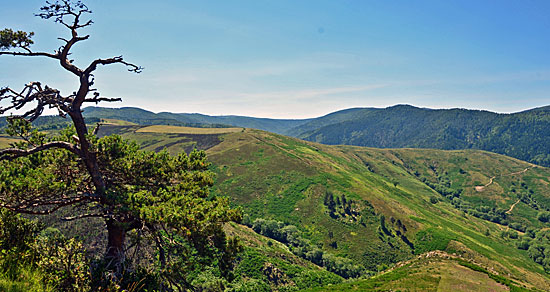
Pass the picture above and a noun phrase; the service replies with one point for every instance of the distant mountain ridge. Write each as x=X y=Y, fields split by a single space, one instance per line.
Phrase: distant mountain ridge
x=143 y=117
x=524 y=135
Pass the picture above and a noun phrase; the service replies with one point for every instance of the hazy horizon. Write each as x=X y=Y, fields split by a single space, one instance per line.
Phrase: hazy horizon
x=312 y=117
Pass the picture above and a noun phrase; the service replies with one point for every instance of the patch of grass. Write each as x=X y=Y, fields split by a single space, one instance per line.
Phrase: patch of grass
x=431 y=239
x=28 y=281
x=499 y=279
x=117 y=122
x=5 y=141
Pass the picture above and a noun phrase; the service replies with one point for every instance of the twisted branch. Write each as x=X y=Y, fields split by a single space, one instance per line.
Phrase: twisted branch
x=28 y=209
x=12 y=153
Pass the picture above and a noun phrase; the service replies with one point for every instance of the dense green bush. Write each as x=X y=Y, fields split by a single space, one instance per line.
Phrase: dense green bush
x=41 y=258
x=311 y=279
x=16 y=241
x=63 y=261
x=539 y=249
x=302 y=247
x=543 y=216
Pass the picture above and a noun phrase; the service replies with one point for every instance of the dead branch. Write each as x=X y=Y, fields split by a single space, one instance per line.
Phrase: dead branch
x=98 y=99
x=29 y=209
x=82 y=216
x=113 y=60
x=12 y=153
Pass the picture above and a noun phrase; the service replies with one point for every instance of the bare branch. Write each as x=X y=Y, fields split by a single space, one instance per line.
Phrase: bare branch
x=99 y=99
x=113 y=60
x=82 y=216
x=31 y=54
x=96 y=129
x=33 y=92
x=12 y=153
x=66 y=63
x=29 y=209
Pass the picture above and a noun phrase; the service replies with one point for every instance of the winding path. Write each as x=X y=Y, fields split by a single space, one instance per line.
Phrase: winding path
x=512 y=207
x=481 y=188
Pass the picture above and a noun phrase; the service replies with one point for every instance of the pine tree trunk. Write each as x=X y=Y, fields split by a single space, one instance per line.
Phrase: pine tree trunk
x=115 y=245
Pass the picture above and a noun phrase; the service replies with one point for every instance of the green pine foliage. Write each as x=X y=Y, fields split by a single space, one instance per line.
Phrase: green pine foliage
x=180 y=223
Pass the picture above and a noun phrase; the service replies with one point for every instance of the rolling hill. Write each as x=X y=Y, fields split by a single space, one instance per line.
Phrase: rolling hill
x=356 y=211
x=318 y=214
x=144 y=117
x=524 y=135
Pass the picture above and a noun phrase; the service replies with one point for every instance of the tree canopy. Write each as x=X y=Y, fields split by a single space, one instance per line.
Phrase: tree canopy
x=162 y=200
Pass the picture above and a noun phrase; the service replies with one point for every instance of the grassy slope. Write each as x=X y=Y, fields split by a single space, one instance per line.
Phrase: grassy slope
x=277 y=177
x=427 y=272
x=5 y=141
x=186 y=130
x=286 y=179
x=257 y=169
x=289 y=271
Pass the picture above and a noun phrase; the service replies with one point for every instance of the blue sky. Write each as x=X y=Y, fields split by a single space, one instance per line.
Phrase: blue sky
x=298 y=59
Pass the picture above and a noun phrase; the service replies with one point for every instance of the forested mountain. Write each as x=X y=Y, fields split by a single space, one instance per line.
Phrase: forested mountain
x=524 y=135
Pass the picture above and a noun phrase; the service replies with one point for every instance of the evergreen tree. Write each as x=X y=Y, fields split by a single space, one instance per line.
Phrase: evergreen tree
x=165 y=197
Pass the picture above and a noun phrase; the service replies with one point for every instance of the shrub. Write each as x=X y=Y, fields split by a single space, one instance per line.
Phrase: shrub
x=517 y=226
x=16 y=239
x=523 y=244
x=62 y=260
x=543 y=216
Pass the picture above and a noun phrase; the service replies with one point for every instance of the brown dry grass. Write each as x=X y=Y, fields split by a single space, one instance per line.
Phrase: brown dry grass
x=6 y=141
x=187 y=130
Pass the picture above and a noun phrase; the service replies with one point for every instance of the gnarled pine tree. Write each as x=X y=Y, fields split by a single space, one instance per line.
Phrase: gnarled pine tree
x=162 y=195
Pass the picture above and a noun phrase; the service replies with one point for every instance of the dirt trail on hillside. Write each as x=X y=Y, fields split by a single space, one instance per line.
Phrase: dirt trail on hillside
x=481 y=188
x=512 y=207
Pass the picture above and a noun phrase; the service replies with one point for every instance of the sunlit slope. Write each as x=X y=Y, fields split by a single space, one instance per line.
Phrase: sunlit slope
x=6 y=141
x=268 y=264
x=273 y=176
x=173 y=138
x=399 y=202
x=432 y=271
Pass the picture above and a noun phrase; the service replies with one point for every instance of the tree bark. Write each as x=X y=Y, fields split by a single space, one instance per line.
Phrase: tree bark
x=89 y=158
x=116 y=235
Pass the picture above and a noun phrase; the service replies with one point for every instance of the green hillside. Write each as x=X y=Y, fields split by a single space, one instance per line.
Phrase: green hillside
x=143 y=117
x=356 y=211
x=433 y=271
x=524 y=135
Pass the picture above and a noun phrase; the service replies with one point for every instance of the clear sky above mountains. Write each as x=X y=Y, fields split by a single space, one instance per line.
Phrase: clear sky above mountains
x=297 y=59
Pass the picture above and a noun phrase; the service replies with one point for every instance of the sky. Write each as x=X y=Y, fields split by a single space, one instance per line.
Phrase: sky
x=300 y=59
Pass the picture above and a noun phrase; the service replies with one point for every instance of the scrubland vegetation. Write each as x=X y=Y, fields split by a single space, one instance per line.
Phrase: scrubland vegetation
x=141 y=203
